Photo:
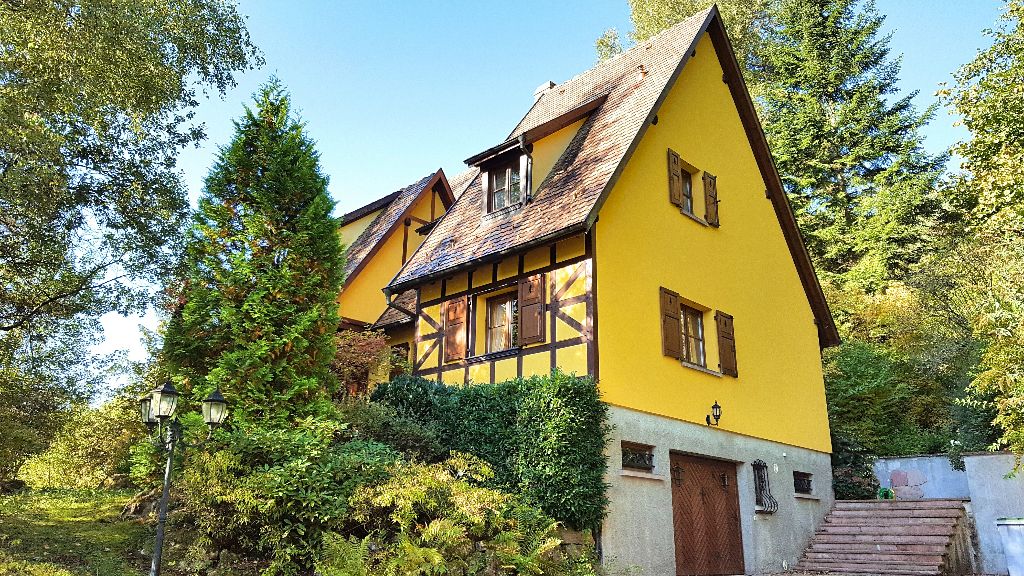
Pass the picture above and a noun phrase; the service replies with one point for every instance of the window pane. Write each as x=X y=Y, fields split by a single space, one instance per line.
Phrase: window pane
x=513 y=186
x=502 y=329
x=498 y=180
x=498 y=200
x=693 y=336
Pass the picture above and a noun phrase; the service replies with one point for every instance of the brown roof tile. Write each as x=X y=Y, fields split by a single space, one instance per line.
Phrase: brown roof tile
x=563 y=201
x=393 y=317
x=399 y=202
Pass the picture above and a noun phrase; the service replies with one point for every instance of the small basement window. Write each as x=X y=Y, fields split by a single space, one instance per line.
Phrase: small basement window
x=505 y=185
x=802 y=483
x=764 y=502
x=637 y=456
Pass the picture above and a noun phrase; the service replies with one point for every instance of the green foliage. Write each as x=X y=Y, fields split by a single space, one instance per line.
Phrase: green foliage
x=847 y=147
x=271 y=492
x=255 y=314
x=441 y=519
x=69 y=533
x=543 y=436
x=96 y=101
x=92 y=448
x=744 y=20
x=41 y=378
x=985 y=257
x=382 y=423
x=256 y=309
x=608 y=44
x=89 y=192
x=852 y=475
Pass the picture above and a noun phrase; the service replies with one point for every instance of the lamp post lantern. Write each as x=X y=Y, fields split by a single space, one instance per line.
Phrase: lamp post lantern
x=155 y=409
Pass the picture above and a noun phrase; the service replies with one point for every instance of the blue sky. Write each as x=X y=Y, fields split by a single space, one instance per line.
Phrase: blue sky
x=391 y=91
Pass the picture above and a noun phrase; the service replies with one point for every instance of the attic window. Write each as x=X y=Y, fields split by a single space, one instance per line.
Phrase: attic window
x=505 y=185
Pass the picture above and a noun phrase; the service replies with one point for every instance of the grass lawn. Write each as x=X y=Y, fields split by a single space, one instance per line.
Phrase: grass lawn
x=69 y=533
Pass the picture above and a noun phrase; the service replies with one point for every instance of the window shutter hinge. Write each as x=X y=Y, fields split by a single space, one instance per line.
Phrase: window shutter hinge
x=767 y=194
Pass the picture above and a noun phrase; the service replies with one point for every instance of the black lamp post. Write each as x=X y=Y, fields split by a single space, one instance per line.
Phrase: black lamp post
x=155 y=408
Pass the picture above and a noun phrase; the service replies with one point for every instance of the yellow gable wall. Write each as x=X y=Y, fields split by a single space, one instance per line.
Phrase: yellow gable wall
x=743 y=268
x=547 y=150
x=362 y=299
x=351 y=230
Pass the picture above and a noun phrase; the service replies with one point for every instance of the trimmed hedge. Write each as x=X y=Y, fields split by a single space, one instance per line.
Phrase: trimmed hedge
x=544 y=436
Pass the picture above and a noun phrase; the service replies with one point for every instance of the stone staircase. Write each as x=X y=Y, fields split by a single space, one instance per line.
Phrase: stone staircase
x=902 y=537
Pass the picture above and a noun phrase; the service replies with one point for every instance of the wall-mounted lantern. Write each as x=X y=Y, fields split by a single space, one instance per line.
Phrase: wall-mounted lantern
x=716 y=414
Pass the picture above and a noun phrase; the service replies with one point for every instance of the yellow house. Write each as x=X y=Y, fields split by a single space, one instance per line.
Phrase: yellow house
x=633 y=227
x=378 y=240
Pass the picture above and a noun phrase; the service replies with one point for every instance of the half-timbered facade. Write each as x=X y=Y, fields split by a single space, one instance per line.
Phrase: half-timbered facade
x=632 y=227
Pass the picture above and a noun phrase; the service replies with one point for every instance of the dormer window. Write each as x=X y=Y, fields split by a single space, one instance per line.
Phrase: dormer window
x=505 y=185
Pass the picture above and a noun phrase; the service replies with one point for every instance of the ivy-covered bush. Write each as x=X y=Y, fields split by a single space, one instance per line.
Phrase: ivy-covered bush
x=544 y=436
x=441 y=519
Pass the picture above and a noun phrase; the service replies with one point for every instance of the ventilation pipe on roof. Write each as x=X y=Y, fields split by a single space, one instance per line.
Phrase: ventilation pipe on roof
x=542 y=89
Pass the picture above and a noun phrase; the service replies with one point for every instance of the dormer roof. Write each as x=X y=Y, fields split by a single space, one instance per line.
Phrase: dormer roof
x=619 y=98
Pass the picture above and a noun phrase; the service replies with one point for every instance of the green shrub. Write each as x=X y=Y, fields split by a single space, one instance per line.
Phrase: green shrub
x=272 y=492
x=93 y=447
x=543 y=436
x=853 y=477
x=382 y=423
x=441 y=519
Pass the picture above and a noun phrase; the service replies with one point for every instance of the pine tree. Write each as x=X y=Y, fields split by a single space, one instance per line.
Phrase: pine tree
x=847 y=146
x=256 y=310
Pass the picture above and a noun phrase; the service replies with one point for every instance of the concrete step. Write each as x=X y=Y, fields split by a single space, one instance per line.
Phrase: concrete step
x=896 y=504
x=875 y=568
x=838 y=520
x=874 y=556
x=887 y=548
x=898 y=513
x=880 y=539
x=906 y=530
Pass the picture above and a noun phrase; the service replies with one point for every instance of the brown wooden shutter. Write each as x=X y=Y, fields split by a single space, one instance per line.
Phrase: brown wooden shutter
x=675 y=178
x=726 y=344
x=531 y=310
x=671 y=328
x=455 y=329
x=711 y=199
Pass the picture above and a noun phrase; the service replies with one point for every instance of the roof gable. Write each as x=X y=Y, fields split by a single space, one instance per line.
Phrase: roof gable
x=627 y=90
x=394 y=208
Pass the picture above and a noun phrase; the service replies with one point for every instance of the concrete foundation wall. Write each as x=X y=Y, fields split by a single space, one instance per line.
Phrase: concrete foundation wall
x=639 y=529
x=984 y=482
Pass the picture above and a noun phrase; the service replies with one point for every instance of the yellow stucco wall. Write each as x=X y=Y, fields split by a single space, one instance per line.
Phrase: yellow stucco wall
x=351 y=230
x=362 y=298
x=743 y=268
x=547 y=150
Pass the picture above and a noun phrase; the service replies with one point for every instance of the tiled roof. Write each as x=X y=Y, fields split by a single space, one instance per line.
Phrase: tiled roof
x=400 y=201
x=460 y=181
x=562 y=204
x=392 y=317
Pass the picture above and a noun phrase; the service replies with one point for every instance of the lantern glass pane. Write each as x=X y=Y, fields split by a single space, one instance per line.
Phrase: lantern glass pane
x=145 y=410
x=164 y=403
x=214 y=412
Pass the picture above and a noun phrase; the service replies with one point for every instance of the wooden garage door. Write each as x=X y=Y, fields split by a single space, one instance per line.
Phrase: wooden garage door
x=706 y=513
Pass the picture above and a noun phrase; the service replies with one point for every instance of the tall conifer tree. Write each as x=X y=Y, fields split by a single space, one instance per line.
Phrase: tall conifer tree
x=257 y=311
x=847 y=145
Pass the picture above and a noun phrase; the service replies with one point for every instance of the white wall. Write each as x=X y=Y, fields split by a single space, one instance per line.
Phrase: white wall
x=639 y=528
